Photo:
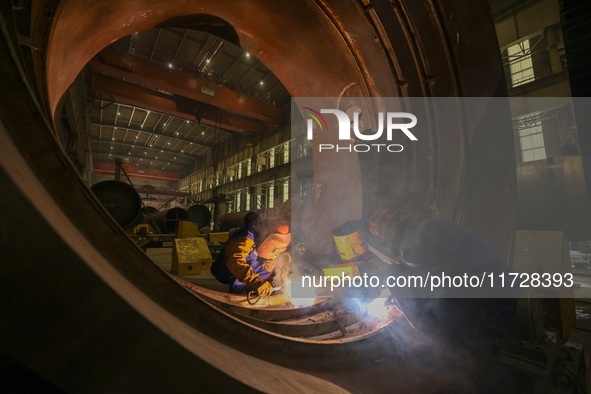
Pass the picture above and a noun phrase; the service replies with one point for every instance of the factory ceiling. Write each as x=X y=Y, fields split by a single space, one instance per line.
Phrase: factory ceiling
x=162 y=97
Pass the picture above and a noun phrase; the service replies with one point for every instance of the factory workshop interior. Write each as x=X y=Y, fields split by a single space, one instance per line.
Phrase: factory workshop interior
x=142 y=140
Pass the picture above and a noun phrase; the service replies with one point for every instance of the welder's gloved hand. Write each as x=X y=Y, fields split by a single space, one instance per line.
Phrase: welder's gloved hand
x=265 y=289
x=269 y=265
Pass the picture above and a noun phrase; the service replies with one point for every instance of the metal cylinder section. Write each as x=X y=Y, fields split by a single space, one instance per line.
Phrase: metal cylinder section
x=121 y=200
x=552 y=196
x=150 y=210
x=167 y=222
x=231 y=220
x=200 y=215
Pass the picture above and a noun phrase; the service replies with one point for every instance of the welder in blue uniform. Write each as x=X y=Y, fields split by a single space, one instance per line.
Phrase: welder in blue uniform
x=247 y=260
x=421 y=246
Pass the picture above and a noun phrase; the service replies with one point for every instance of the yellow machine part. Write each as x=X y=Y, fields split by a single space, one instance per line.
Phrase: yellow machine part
x=348 y=269
x=137 y=229
x=219 y=237
x=187 y=230
x=190 y=256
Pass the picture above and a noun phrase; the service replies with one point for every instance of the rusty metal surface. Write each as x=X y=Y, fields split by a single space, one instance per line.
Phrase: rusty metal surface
x=125 y=308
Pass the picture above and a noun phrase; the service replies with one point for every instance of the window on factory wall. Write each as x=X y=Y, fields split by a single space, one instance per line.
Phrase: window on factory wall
x=248 y=198
x=286 y=152
x=272 y=158
x=271 y=195
x=248 y=167
x=239 y=171
x=531 y=141
x=238 y=202
x=285 y=195
x=520 y=63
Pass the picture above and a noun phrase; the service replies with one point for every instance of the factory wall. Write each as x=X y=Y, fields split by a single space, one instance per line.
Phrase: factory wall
x=531 y=44
x=253 y=177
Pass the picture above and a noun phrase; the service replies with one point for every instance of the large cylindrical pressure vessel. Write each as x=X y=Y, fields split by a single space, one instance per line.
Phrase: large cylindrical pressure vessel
x=167 y=222
x=200 y=215
x=121 y=200
x=231 y=220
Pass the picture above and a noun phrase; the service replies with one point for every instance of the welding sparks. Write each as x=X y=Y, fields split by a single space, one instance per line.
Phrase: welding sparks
x=377 y=309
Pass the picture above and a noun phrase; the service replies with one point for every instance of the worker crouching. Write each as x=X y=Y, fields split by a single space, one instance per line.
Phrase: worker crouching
x=247 y=260
x=465 y=330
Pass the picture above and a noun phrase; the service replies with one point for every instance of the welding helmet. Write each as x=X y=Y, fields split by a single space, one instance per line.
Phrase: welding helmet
x=275 y=243
x=381 y=222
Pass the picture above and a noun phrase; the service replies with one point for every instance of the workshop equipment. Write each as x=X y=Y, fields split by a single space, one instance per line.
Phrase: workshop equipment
x=167 y=222
x=350 y=270
x=349 y=240
x=187 y=230
x=218 y=237
x=190 y=256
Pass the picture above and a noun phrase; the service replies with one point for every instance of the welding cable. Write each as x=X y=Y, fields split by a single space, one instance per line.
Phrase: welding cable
x=249 y=295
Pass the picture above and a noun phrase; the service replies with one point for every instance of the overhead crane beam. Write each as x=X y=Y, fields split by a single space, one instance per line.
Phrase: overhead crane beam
x=138 y=70
x=155 y=133
x=127 y=93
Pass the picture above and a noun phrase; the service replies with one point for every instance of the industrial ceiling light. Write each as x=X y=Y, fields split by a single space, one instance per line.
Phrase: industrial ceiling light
x=169 y=65
x=261 y=82
x=118 y=113
x=187 y=121
x=111 y=147
x=177 y=133
x=247 y=54
x=169 y=143
x=113 y=139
